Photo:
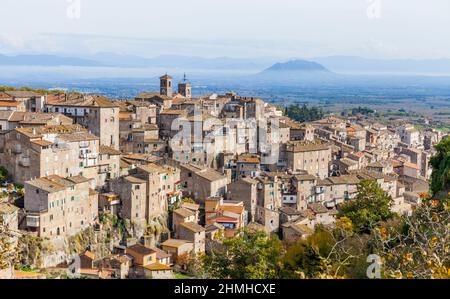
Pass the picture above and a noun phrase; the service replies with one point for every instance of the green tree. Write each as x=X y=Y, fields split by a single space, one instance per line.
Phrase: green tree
x=307 y=258
x=251 y=254
x=371 y=206
x=304 y=114
x=328 y=253
x=440 y=177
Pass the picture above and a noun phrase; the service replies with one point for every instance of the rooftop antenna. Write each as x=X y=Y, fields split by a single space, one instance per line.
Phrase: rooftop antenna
x=184 y=77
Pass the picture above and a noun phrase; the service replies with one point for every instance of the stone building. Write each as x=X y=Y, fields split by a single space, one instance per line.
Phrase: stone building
x=97 y=113
x=315 y=158
x=201 y=183
x=57 y=206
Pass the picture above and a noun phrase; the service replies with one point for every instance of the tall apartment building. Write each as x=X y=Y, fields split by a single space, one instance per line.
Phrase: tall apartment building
x=98 y=114
x=64 y=150
x=315 y=158
x=57 y=206
x=162 y=187
x=132 y=192
x=35 y=152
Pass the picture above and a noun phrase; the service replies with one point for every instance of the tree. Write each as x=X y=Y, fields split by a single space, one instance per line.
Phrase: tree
x=307 y=257
x=304 y=114
x=440 y=177
x=251 y=254
x=328 y=253
x=420 y=247
x=371 y=206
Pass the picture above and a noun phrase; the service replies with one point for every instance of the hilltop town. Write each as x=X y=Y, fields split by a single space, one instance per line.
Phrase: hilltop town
x=133 y=188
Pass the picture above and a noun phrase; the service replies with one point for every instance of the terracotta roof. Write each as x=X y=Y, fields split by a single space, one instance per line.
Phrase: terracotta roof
x=173 y=112
x=51 y=183
x=157 y=267
x=79 y=100
x=107 y=150
x=7 y=208
x=42 y=142
x=192 y=226
x=305 y=177
x=6 y=115
x=411 y=165
x=140 y=249
x=78 y=179
x=134 y=180
x=214 y=226
x=183 y=212
x=125 y=115
x=89 y=254
x=224 y=219
x=22 y=93
x=306 y=147
x=175 y=243
x=160 y=254
x=210 y=174
x=344 y=179
x=248 y=159
x=317 y=208
x=248 y=180
x=78 y=136
x=8 y=104
x=290 y=211
x=237 y=209
x=68 y=129
x=190 y=206
x=4 y=95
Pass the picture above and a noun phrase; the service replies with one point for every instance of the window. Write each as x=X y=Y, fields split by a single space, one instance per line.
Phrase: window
x=136 y=187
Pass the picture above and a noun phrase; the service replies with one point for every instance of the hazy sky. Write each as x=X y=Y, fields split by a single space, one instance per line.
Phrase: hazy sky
x=235 y=28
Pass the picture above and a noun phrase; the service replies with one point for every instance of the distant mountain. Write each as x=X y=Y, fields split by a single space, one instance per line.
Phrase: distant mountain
x=295 y=72
x=45 y=60
x=296 y=66
x=371 y=66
